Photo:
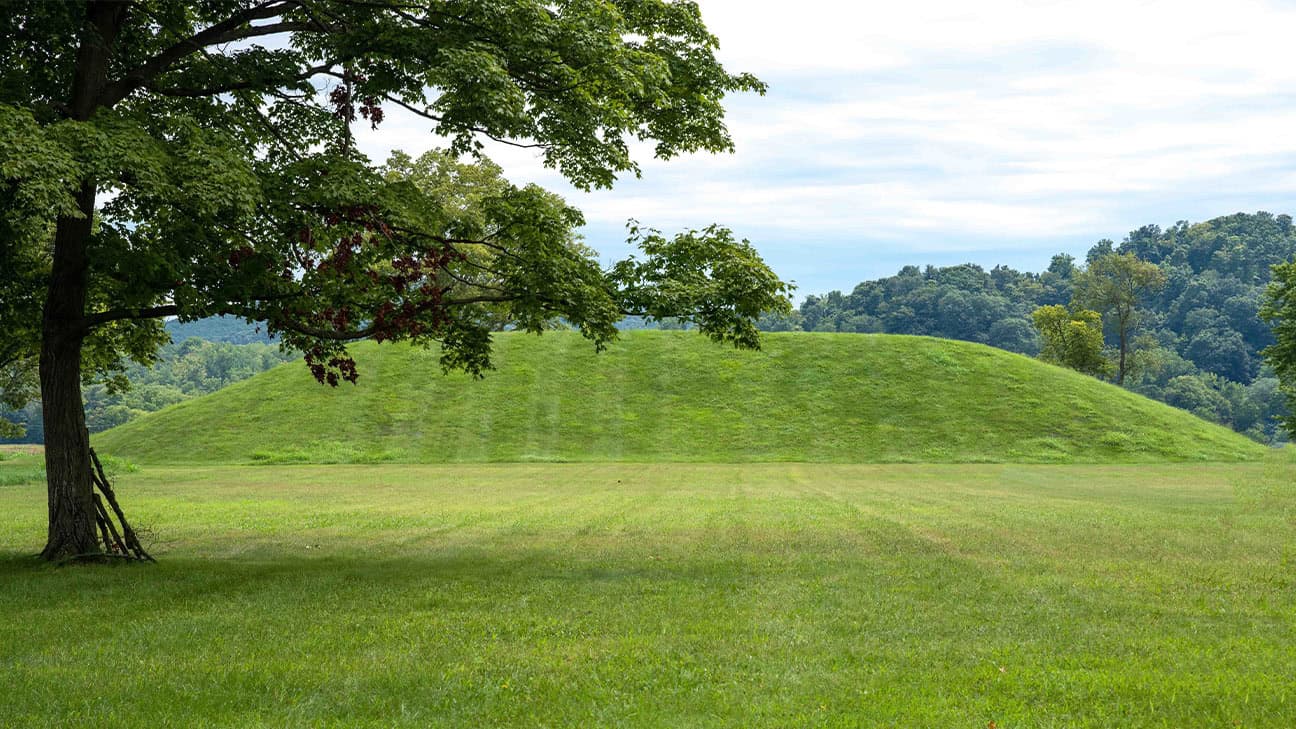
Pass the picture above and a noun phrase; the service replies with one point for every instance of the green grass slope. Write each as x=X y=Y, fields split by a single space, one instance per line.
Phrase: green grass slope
x=674 y=396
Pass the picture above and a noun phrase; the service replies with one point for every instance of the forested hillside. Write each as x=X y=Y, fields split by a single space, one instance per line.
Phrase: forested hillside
x=1202 y=328
x=219 y=329
x=203 y=357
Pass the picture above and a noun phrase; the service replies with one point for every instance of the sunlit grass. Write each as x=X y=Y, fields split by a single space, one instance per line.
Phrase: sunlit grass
x=650 y=595
x=20 y=465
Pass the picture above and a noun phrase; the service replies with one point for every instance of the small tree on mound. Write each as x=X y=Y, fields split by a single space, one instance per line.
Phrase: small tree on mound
x=1072 y=339
x=169 y=158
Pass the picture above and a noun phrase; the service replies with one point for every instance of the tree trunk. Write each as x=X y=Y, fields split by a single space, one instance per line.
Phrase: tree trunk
x=1120 y=369
x=72 y=526
x=67 y=444
x=1122 y=330
x=67 y=451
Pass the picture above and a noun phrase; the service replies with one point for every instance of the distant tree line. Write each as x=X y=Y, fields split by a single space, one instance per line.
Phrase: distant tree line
x=187 y=368
x=1198 y=340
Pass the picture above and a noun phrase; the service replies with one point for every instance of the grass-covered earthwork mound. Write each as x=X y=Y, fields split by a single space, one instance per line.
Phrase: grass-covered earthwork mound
x=675 y=396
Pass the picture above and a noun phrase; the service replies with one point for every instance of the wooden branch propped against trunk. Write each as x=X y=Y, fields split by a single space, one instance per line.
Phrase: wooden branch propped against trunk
x=123 y=542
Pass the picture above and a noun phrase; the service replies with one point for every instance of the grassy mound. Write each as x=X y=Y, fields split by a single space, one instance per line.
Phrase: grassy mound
x=674 y=396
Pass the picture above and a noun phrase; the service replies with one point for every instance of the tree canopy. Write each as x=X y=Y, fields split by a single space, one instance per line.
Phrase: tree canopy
x=236 y=190
x=164 y=158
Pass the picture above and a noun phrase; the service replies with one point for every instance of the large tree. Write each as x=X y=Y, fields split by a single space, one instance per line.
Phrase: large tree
x=164 y=158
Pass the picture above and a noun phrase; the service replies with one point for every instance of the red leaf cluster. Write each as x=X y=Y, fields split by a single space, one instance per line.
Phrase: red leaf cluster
x=239 y=255
x=338 y=368
x=344 y=106
x=370 y=110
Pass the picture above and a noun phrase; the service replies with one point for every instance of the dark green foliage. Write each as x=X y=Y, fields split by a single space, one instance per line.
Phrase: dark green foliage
x=1221 y=351
x=1280 y=310
x=1202 y=323
x=1195 y=395
x=17 y=388
x=958 y=302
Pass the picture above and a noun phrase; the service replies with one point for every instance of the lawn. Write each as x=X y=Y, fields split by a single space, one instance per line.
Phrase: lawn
x=684 y=595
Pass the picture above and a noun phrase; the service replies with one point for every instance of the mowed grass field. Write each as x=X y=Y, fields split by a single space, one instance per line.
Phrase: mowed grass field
x=665 y=595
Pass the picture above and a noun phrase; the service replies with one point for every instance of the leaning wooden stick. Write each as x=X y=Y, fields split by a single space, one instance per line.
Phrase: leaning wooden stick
x=101 y=520
x=106 y=526
x=132 y=542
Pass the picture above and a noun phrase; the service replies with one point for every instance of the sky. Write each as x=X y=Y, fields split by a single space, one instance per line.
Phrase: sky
x=938 y=132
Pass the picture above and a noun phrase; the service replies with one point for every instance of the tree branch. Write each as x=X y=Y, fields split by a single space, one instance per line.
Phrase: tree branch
x=228 y=30
x=193 y=91
x=483 y=299
x=104 y=317
x=366 y=332
x=433 y=117
x=326 y=333
x=229 y=306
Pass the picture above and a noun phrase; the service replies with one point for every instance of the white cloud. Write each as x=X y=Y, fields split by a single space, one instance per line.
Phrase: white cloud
x=949 y=125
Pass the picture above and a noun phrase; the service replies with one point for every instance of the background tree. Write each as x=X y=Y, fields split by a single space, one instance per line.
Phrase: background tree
x=1113 y=284
x=204 y=356
x=18 y=385
x=22 y=257
x=1196 y=395
x=1071 y=339
x=223 y=131
x=1280 y=310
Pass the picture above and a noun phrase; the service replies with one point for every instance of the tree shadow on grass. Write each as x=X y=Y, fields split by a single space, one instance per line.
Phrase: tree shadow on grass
x=343 y=577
